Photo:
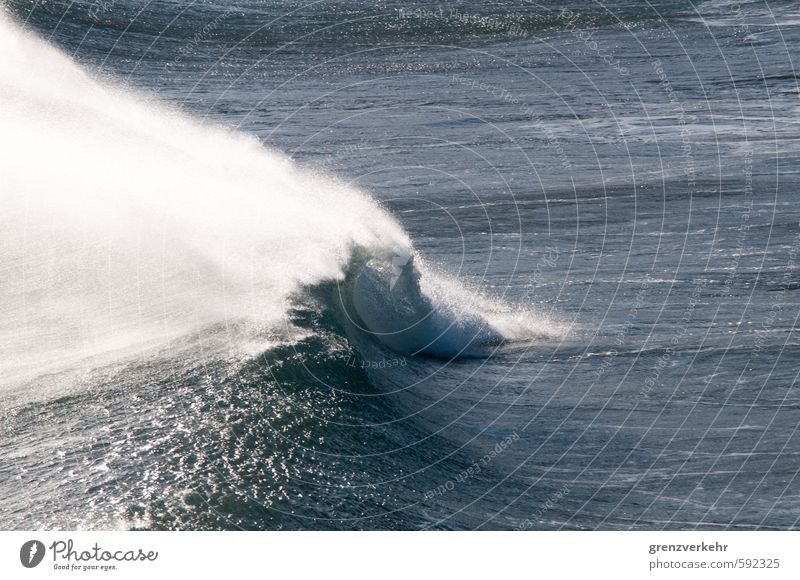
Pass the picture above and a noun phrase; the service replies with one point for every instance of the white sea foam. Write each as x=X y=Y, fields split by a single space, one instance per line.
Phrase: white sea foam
x=124 y=223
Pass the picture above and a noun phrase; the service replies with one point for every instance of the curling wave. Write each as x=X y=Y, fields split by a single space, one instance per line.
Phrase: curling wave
x=390 y=302
x=126 y=224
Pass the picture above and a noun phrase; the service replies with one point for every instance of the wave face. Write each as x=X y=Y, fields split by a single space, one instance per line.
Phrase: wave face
x=125 y=222
x=403 y=305
x=390 y=301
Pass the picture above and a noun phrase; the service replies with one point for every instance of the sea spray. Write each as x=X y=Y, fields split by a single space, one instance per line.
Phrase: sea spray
x=126 y=223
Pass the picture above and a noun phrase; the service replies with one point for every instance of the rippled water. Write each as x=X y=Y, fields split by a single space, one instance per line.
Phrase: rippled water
x=617 y=183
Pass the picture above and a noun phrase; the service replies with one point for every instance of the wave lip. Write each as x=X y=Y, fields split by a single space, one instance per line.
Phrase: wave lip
x=391 y=304
x=414 y=312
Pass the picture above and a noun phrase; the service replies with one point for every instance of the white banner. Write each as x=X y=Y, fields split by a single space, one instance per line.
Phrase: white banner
x=371 y=555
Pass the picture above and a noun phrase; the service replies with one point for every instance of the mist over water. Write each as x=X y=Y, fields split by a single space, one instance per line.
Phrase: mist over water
x=125 y=222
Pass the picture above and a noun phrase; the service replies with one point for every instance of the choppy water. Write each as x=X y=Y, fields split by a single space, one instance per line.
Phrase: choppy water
x=613 y=187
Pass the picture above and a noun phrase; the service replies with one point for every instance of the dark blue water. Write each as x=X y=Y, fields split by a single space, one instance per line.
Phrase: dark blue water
x=627 y=170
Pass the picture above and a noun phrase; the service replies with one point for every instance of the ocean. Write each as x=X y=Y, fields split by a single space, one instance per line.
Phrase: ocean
x=334 y=265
